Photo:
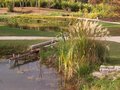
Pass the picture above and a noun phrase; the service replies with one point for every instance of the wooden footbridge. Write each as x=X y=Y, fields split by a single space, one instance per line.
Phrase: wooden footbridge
x=31 y=55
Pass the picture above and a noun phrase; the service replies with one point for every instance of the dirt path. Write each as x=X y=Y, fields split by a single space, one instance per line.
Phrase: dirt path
x=30 y=10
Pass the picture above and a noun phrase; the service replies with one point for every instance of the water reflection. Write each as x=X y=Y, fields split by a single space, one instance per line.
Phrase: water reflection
x=30 y=76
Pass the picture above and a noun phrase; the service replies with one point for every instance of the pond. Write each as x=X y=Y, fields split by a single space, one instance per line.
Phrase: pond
x=28 y=77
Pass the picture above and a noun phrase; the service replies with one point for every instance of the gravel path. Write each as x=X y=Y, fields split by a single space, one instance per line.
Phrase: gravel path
x=112 y=38
x=25 y=38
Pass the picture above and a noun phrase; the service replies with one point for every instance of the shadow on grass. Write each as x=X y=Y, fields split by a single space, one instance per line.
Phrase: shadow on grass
x=12 y=31
x=114 y=61
x=113 y=28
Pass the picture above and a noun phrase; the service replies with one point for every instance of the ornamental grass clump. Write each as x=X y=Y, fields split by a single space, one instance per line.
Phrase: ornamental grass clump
x=79 y=51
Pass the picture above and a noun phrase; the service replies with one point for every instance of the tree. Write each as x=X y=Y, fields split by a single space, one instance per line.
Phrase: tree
x=10 y=5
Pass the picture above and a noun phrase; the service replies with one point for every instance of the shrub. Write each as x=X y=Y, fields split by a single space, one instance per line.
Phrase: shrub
x=103 y=10
x=44 y=3
x=99 y=10
x=78 y=53
x=89 y=7
x=65 y=5
x=93 y=15
x=56 y=5
x=74 y=7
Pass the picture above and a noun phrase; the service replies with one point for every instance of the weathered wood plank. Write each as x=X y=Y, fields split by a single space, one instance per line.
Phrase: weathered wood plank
x=43 y=44
x=25 y=54
x=33 y=52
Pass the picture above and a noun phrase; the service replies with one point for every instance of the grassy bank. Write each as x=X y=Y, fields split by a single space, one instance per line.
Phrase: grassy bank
x=113 y=28
x=10 y=31
x=75 y=58
x=78 y=58
x=88 y=82
x=10 y=47
x=114 y=53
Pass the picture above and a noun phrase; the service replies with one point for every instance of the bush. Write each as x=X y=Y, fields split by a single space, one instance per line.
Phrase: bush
x=103 y=10
x=93 y=15
x=99 y=10
x=65 y=5
x=56 y=5
x=78 y=53
x=74 y=7
x=89 y=7
x=44 y=3
x=83 y=69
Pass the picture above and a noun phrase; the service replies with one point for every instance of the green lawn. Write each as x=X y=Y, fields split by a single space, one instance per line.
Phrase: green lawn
x=10 y=47
x=10 y=31
x=113 y=28
x=19 y=42
x=109 y=25
x=114 y=53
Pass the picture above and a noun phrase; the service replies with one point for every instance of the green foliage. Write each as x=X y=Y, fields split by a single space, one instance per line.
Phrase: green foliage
x=89 y=7
x=78 y=53
x=114 y=53
x=74 y=7
x=70 y=6
x=44 y=3
x=48 y=52
x=16 y=47
x=10 y=31
x=65 y=5
x=83 y=69
x=97 y=11
x=103 y=84
x=101 y=10
x=56 y=5
x=36 y=22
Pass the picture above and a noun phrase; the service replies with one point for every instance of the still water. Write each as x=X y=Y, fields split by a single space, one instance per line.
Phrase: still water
x=28 y=77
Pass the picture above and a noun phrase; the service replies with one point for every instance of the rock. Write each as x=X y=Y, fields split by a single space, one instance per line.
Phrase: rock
x=104 y=71
x=98 y=75
x=30 y=77
x=110 y=72
x=117 y=68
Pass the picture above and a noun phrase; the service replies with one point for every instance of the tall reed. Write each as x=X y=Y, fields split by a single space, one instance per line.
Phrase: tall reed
x=78 y=52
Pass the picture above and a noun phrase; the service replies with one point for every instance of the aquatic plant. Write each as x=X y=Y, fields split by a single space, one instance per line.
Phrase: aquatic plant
x=78 y=53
